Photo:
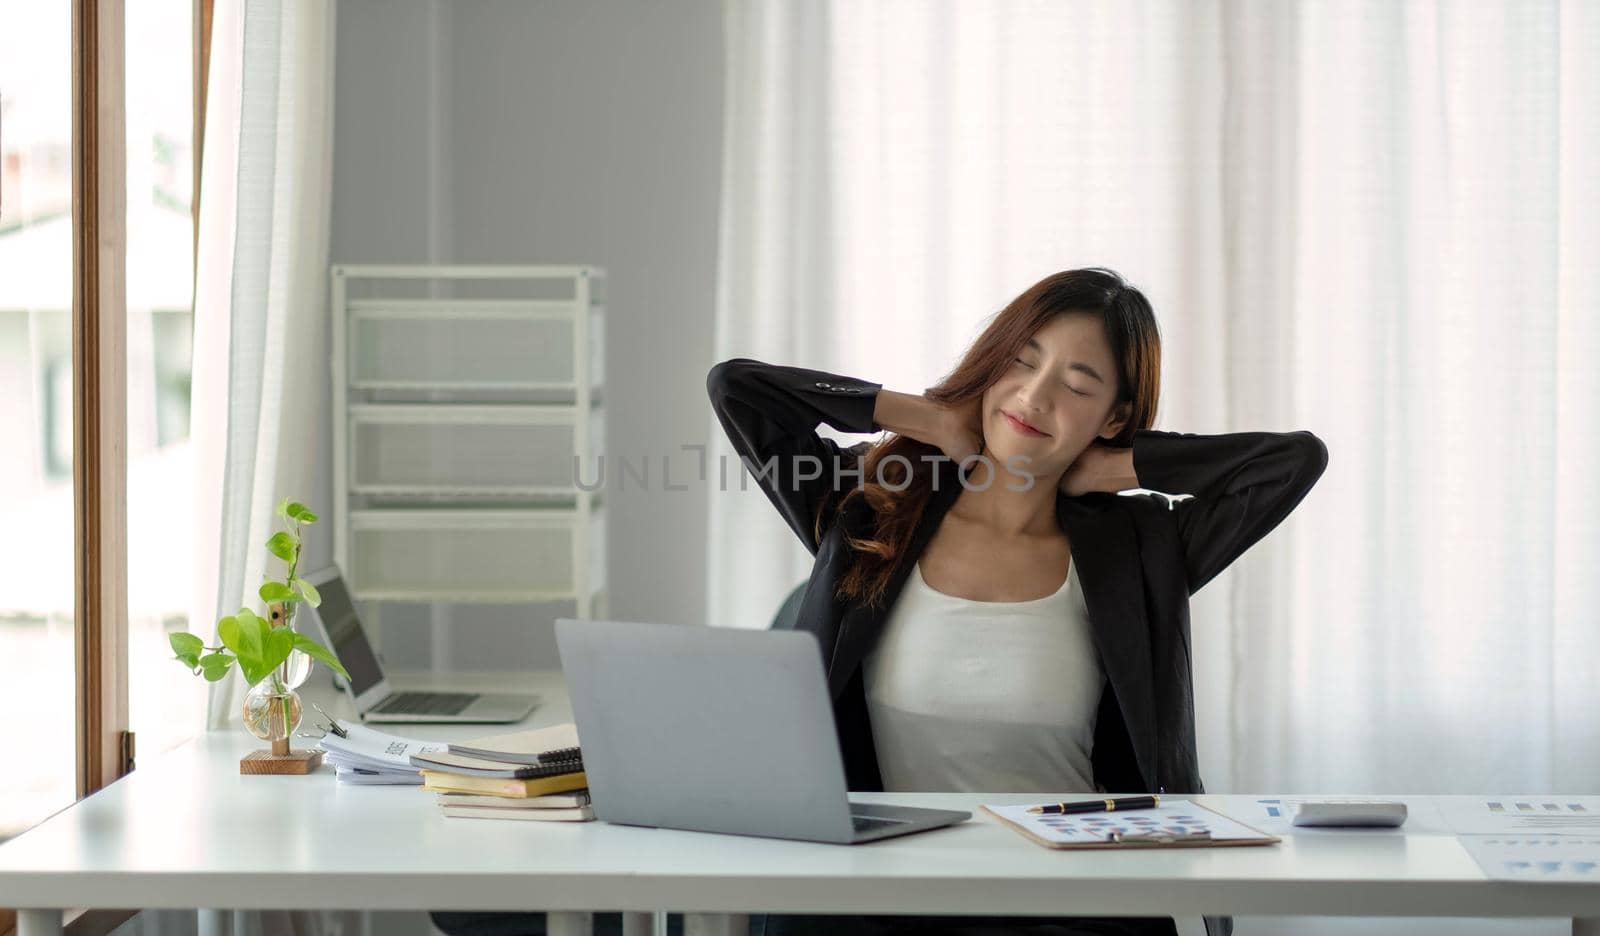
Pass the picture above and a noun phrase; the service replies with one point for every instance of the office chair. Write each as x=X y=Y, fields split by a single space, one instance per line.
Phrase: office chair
x=789 y=611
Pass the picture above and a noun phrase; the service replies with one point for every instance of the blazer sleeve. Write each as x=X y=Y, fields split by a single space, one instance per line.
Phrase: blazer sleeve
x=771 y=414
x=1243 y=485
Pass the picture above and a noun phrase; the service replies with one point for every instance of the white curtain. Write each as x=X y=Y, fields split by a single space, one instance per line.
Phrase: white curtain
x=1376 y=221
x=260 y=343
x=261 y=293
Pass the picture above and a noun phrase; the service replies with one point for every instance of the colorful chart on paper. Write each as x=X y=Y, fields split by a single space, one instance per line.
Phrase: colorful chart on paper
x=1093 y=830
x=1511 y=814
x=1547 y=858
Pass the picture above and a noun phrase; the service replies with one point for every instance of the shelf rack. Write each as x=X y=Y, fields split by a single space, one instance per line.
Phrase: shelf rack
x=468 y=408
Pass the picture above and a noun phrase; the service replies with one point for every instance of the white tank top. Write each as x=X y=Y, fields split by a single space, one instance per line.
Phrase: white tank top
x=985 y=696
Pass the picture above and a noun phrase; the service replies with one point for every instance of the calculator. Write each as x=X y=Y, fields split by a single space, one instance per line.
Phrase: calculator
x=1349 y=813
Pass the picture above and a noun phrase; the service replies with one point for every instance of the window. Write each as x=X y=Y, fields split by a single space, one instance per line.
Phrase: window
x=165 y=706
x=36 y=381
x=97 y=144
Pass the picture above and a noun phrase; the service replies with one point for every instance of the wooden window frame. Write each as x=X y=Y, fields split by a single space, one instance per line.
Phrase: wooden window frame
x=99 y=384
x=104 y=743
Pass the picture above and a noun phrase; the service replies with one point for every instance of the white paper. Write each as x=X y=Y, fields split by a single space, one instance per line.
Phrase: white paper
x=377 y=777
x=1546 y=858
x=345 y=762
x=374 y=749
x=1180 y=816
x=338 y=759
x=1544 y=813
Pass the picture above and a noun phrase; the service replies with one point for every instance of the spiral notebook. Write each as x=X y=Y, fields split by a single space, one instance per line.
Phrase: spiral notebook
x=448 y=762
x=539 y=745
x=518 y=755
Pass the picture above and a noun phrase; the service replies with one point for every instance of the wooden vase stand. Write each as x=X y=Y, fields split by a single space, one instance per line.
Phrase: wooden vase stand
x=280 y=760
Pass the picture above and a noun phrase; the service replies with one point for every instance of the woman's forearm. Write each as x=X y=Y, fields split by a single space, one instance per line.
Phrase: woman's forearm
x=1116 y=471
x=1099 y=469
x=909 y=415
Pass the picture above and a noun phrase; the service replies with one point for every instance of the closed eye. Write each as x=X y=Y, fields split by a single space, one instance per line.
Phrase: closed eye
x=1063 y=383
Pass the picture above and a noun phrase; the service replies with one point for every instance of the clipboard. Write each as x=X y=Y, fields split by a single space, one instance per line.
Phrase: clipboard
x=1092 y=830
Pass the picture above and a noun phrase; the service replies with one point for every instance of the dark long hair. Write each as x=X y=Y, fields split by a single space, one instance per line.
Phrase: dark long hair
x=897 y=504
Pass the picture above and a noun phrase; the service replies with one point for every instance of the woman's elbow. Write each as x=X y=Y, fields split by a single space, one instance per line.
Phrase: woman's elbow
x=1313 y=454
x=727 y=375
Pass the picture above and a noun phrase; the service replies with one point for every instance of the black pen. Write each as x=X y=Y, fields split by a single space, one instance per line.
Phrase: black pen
x=1101 y=805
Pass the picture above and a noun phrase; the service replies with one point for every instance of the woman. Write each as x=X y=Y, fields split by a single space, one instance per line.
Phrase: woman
x=993 y=616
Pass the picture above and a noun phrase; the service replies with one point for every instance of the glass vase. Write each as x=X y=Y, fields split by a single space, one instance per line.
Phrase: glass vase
x=272 y=712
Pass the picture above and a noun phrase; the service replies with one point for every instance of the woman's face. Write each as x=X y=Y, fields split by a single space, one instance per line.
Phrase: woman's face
x=1063 y=384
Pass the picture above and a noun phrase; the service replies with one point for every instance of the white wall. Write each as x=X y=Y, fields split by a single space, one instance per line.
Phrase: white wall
x=577 y=131
x=559 y=131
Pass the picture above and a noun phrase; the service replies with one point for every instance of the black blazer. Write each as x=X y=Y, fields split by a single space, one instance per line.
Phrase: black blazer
x=1139 y=557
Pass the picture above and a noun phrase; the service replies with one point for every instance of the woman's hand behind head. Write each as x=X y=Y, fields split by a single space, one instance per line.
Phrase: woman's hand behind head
x=961 y=430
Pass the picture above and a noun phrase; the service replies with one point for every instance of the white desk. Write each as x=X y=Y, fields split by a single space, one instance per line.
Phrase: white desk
x=186 y=830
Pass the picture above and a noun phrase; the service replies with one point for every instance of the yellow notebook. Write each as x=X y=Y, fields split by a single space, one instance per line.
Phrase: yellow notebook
x=497 y=786
x=572 y=814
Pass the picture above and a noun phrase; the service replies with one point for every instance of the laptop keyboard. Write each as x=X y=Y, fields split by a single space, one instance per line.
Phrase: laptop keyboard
x=869 y=823
x=426 y=703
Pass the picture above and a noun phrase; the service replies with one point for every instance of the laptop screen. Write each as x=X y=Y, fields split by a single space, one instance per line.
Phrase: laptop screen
x=349 y=641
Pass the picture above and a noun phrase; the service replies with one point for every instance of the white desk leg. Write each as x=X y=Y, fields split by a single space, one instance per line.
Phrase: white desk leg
x=640 y=924
x=213 y=922
x=716 y=924
x=39 y=923
x=569 y=923
x=1586 y=926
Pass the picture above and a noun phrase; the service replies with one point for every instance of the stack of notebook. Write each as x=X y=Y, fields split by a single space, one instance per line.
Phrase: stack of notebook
x=534 y=775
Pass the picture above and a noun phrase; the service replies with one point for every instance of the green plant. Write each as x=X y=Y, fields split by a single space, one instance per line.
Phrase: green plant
x=258 y=645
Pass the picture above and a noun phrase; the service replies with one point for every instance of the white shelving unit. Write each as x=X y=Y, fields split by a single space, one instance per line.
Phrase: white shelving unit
x=468 y=410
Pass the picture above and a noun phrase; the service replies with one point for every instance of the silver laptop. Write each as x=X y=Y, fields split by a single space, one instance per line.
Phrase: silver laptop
x=375 y=700
x=716 y=730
